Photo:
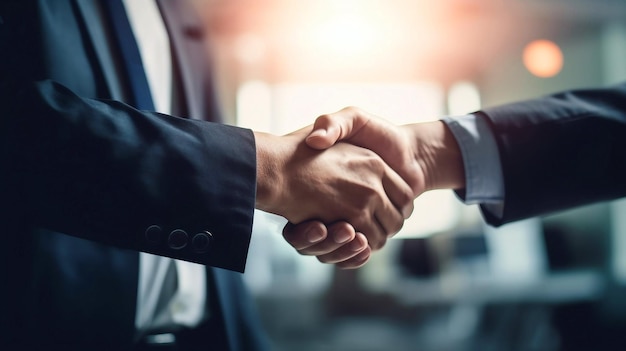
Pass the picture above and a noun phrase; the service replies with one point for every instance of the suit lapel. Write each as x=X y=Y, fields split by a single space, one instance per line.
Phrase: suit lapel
x=97 y=29
x=191 y=61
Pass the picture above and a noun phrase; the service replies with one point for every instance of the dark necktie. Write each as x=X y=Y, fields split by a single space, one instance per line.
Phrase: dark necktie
x=129 y=52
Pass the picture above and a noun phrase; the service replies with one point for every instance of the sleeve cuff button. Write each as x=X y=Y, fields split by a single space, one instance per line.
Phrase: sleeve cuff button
x=153 y=234
x=201 y=242
x=178 y=239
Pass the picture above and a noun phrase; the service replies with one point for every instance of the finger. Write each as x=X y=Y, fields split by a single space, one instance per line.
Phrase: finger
x=370 y=225
x=389 y=218
x=357 y=261
x=347 y=251
x=398 y=191
x=339 y=234
x=343 y=124
x=363 y=129
x=382 y=235
x=390 y=222
x=305 y=234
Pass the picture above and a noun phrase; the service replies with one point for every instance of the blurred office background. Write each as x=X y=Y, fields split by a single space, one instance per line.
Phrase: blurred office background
x=447 y=281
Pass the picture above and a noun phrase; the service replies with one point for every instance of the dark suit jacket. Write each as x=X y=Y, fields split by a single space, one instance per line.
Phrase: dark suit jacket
x=84 y=176
x=560 y=151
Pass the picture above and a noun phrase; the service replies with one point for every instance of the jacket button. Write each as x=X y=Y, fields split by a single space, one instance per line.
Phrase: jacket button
x=178 y=239
x=153 y=234
x=201 y=242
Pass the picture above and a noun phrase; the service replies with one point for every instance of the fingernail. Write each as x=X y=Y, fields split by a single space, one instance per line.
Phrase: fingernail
x=314 y=234
x=319 y=132
x=341 y=236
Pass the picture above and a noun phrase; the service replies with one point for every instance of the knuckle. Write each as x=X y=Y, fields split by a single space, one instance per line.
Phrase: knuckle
x=358 y=213
x=378 y=244
x=396 y=228
x=407 y=198
x=408 y=210
x=376 y=163
x=351 y=109
x=324 y=116
x=368 y=191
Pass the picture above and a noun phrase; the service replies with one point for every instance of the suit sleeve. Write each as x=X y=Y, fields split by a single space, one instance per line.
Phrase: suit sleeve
x=560 y=151
x=104 y=171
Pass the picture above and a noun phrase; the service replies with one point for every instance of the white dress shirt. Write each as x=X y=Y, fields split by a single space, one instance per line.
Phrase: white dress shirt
x=187 y=306
x=484 y=182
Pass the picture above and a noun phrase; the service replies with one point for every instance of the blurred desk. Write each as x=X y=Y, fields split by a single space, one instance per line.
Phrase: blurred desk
x=552 y=289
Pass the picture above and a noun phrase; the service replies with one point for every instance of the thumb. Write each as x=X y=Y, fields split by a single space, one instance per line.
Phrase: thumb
x=325 y=133
x=331 y=128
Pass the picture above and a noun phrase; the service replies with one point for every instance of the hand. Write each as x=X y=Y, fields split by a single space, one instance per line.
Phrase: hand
x=424 y=154
x=338 y=244
x=343 y=183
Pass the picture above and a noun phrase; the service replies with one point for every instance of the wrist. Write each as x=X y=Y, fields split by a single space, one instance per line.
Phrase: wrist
x=438 y=153
x=268 y=176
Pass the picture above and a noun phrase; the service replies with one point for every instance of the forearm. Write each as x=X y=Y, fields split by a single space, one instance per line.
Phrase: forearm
x=342 y=183
x=437 y=152
x=106 y=172
x=269 y=171
x=561 y=151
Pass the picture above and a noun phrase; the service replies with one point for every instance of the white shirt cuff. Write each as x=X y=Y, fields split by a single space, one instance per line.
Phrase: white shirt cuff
x=483 y=173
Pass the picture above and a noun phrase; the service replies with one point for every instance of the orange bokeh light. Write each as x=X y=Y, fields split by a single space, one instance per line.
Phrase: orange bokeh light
x=543 y=58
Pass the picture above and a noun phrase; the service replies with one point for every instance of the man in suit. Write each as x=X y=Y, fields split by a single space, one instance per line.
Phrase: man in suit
x=516 y=161
x=99 y=192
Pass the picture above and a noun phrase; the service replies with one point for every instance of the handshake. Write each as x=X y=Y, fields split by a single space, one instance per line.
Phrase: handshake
x=348 y=182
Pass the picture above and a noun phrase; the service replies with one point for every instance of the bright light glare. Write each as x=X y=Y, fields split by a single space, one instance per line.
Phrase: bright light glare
x=345 y=34
x=298 y=104
x=254 y=108
x=250 y=48
x=463 y=98
x=543 y=58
